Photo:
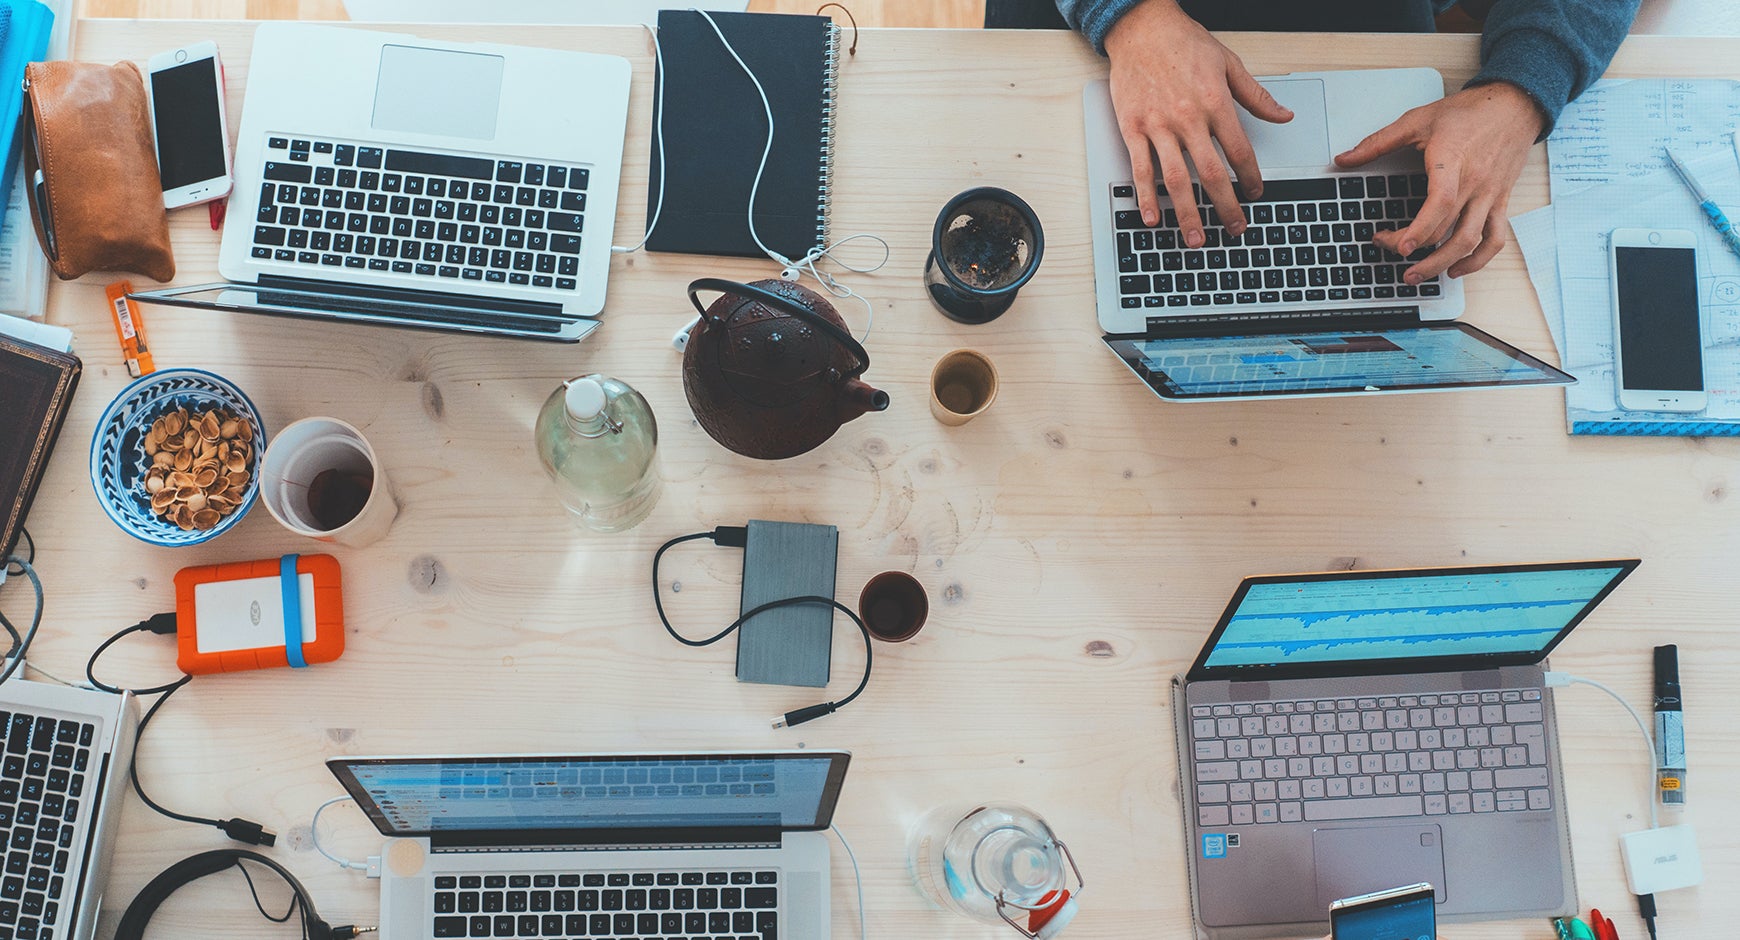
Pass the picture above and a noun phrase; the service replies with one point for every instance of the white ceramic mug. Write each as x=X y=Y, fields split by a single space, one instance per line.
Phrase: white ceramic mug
x=305 y=449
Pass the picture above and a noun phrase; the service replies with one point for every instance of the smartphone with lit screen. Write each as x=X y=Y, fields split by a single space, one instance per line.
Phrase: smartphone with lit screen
x=1658 y=335
x=1403 y=913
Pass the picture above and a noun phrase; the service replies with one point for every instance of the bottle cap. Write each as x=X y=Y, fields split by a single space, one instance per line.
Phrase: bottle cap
x=584 y=399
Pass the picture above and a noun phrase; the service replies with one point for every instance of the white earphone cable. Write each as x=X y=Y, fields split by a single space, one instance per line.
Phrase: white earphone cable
x=793 y=268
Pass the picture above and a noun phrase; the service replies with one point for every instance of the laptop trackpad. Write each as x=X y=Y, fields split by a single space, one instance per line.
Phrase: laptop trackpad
x=1351 y=862
x=438 y=91
x=1303 y=141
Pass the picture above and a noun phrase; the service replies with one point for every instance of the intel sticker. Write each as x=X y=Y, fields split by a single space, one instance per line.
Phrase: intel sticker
x=1213 y=845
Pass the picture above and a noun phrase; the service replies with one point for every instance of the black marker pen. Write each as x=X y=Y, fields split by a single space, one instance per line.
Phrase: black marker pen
x=1670 y=732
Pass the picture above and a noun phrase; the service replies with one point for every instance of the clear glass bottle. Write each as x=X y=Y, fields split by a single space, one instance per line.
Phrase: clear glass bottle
x=598 y=440
x=997 y=863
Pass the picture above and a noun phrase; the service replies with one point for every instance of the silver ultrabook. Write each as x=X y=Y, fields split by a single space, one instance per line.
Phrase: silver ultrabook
x=1301 y=303
x=66 y=752
x=389 y=179
x=602 y=845
x=1351 y=731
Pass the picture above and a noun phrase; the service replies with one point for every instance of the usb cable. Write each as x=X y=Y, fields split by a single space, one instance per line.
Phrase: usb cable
x=736 y=536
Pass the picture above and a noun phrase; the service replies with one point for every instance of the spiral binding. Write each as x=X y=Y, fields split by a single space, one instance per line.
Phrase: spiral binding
x=830 y=79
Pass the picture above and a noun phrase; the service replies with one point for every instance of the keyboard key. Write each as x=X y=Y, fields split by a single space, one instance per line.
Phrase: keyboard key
x=287 y=173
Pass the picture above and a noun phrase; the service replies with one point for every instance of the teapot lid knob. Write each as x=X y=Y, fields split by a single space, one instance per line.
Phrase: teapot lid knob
x=584 y=398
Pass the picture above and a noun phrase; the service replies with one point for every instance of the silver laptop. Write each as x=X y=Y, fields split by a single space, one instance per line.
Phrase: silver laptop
x=385 y=178
x=602 y=845
x=1302 y=303
x=1346 y=732
x=66 y=754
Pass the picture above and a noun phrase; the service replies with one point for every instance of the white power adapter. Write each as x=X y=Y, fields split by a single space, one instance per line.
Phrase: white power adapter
x=1661 y=859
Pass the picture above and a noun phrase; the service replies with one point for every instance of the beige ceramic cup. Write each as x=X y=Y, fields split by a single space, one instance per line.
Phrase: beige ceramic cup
x=962 y=386
x=314 y=449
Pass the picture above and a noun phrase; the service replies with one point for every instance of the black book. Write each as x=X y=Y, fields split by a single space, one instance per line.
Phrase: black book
x=715 y=129
x=36 y=388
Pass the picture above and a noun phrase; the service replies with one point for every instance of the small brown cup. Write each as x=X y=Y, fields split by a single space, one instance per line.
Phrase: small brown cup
x=894 y=606
x=962 y=385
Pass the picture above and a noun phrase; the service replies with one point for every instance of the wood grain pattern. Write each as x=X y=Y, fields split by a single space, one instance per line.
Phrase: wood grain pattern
x=1077 y=541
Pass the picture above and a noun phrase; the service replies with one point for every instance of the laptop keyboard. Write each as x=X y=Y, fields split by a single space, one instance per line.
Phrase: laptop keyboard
x=720 y=905
x=450 y=219
x=1409 y=755
x=1309 y=240
x=42 y=798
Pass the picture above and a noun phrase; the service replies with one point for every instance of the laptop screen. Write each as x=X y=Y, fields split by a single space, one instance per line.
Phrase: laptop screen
x=415 y=796
x=1430 y=357
x=1421 y=620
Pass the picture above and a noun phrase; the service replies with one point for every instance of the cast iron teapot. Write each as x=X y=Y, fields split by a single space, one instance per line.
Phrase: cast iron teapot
x=771 y=371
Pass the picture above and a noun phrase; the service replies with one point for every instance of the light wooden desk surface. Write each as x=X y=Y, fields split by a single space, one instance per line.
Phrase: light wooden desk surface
x=1077 y=541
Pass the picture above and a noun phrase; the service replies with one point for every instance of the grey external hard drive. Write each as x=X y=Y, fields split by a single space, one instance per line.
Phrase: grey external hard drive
x=787 y=645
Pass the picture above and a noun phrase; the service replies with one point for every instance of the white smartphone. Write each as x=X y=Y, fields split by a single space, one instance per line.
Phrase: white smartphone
x=186 y=88
x=1404 y=913
x=1658 y=335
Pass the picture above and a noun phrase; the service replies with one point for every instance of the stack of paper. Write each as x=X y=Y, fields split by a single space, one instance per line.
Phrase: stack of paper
x=1608 y=171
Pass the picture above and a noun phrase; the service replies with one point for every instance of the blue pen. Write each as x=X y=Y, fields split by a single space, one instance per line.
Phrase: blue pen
x=1713 y=212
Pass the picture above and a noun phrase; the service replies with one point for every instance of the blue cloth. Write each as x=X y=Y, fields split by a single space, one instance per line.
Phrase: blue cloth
x=1551 y=49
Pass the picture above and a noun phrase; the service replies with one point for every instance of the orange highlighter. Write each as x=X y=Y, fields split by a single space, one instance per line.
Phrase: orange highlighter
x=130 y=328
x=285 y=611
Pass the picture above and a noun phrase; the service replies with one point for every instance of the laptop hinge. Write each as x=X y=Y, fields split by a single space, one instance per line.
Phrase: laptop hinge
x=606 y=840
x=1284 y=321
x=403 y=295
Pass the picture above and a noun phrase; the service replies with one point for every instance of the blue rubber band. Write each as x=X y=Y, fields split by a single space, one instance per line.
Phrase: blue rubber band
x=292 y=589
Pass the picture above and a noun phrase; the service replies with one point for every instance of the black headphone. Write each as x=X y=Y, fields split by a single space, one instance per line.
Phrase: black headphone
x=750 y=292
x=152 y=896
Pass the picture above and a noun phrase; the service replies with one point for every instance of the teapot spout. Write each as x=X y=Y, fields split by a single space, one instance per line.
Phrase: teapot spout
x=857 y=397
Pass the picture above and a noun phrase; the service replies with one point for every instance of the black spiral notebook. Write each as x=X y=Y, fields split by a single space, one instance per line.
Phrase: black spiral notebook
x=715 y=128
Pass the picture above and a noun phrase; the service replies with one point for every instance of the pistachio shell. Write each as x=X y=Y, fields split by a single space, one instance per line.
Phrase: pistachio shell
x=195 y=501
x=173 y=422
x=153 y=484
x=160 y=500
x=183 y=460
x=163 y=459
x=238 y=478
x=229 y=429
x=246 y=430
x=206 y=518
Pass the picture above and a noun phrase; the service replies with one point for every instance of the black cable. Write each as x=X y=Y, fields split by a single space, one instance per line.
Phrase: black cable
x=736 y=537
x=21 y=645
x=1646 y=910
x=237 y=828
x=259 y=905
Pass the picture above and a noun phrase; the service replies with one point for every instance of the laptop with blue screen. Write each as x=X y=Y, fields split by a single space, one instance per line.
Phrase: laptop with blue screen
x=1302 y=303
x=1350 y=731
x=602 y=845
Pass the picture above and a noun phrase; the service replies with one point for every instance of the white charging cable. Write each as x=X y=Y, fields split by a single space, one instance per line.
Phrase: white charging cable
x=792 y=268
x=659 y=134
x=857 y=876
x=372 y=866
x=1560 y=679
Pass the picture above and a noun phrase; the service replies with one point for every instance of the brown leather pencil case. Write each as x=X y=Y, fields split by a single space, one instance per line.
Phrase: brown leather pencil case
x=97 y=202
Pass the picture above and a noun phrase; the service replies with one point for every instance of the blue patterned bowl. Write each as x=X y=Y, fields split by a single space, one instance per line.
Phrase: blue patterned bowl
x=119 y=461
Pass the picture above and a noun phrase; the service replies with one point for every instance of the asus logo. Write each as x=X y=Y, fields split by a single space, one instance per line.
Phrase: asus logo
x=1665 y=859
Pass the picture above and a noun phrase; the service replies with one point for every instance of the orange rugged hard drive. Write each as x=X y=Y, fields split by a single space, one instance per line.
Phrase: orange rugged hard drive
x=285 y=611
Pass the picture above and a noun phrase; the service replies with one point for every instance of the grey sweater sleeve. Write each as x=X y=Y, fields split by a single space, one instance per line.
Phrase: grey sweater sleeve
x=1551 y=49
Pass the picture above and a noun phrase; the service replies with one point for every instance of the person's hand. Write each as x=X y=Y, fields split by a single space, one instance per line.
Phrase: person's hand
x=1475 y=142
x=1174 y=88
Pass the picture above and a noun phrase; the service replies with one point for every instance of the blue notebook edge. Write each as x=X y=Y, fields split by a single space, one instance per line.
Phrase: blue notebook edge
x=25 y=41
x=1656 y=428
